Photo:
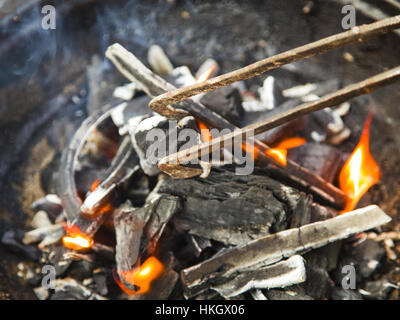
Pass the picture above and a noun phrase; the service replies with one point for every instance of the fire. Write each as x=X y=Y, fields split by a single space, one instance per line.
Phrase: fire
x=141 y=277
x=360 y=172
x=76 y=240
x=205 y=132
x=279 y=153
x=94 y=185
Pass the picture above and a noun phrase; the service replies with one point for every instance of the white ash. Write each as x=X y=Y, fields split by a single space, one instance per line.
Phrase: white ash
x=127 y=91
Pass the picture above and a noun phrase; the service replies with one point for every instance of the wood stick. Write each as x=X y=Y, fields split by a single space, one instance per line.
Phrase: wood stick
x=134 y=70
x=279 y=275
x=275 y=247
x=356 y=34
x=171 y=163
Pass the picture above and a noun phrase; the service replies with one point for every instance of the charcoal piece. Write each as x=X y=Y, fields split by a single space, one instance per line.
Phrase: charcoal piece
x=270 y=93
x=319 y=285
x=302 y=214
x=55 y=231
x=322 y=159
x=282 y=274
x=12 y=240
x=377 y=289
x=319 y=212
x=161 y=209
x=199 y=244
x=214 y=208
x=161 y=288
x=51 y=204
x=287 y=294
x=122 y=114
x=326 y=257
x=225 y=101
x=129 y=223
x=338 y=293
x=58 y=259
x=365 y=257
x=138 y=229
x=100 y=280
x=257 y=294
x=155 y=137
x=272 y=248
x=276 y=134
x=123 y=166
x=70 y=289
x=81 y=270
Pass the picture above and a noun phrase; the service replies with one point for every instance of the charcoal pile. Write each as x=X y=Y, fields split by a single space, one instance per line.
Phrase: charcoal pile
x=154 y=200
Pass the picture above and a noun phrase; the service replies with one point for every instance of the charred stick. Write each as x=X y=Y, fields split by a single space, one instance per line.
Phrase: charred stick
x=356 y=34
x=279 y=275
x=66 y=187
x=134 y=70
x=284 y=244
x=171 y=163
x=124 y=164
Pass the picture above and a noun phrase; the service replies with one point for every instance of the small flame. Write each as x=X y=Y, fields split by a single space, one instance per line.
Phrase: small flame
x=360 y=172
x=94 y=185
x=141 y=277
x=205 y=132
x=279 y=153
x=76 y=240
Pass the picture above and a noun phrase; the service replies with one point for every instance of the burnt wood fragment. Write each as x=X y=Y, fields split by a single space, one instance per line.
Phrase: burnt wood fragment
x=278 y=275
x=226 y=102
x=272 y=248
x=234 y=209
x=322 y=159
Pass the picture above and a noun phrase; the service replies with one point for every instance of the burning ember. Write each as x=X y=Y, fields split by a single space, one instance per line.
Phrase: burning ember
x=76 y=240
x=279 y=153
x=205 y=132
x=360 y=172
x=141 y=277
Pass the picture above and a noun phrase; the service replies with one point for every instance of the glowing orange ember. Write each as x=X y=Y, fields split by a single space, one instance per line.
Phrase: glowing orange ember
x=205 y=132
x=94 y=185
x=279 y=153
x=76 y=240
x=360 y=172
x=141 y=277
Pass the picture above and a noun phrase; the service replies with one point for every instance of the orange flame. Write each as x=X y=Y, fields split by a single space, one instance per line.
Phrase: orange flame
x=94 y=185
x=76 y=240
x=360 y=172
x=279 y=153
x=205 y=132
x=142 y=277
